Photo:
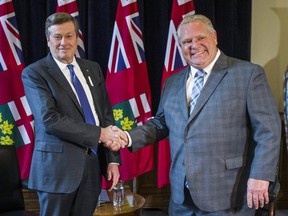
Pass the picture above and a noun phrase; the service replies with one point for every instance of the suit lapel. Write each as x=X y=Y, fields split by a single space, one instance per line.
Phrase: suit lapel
x=59 y=77
x=182 y=91
x=217 y=74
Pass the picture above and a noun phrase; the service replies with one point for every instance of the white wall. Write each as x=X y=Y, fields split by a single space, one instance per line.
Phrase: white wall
x=269 y=44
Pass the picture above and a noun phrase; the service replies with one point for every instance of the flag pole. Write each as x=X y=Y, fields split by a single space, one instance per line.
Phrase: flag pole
x=134 y=188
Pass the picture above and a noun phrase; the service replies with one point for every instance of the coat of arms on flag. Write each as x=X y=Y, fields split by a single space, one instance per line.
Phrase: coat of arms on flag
x=8 y=134
x=127 y=112
x=12 y=133
x=16 y=120
x=128 y=85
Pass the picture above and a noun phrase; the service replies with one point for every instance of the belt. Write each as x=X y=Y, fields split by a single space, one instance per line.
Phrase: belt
x=88 y=151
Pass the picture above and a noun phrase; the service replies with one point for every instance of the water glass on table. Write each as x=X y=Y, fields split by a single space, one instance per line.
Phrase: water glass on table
x=118 y=194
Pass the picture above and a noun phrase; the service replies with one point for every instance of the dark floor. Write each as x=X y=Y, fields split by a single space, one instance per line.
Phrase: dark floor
x=153 y=212
x=282 y=212
x=156 y=212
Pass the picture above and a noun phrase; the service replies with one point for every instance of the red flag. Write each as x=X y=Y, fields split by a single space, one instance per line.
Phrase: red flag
x=70 y=6
x=16 y=120
x=174 y=62
x=128 y=85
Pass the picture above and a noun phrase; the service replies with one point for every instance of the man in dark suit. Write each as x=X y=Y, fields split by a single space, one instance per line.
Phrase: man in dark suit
x=68 y=159
x=225 y=144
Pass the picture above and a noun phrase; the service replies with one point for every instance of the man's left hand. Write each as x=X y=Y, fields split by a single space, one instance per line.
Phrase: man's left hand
x=257 y=193
x=113 y=174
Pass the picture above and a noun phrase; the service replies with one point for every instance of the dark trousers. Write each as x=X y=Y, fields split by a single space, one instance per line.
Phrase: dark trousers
x=82 y=202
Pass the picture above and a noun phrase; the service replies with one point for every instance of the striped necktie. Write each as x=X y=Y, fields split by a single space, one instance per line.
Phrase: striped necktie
x=89 y=118
x=196 y=89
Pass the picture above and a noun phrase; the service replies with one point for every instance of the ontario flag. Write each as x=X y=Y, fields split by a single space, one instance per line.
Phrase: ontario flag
x=128 y=85
x=16 y=120
x=70 y=6
x=173 y=63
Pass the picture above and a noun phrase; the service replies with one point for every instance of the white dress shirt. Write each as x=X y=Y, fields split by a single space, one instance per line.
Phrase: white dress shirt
x=63 y=67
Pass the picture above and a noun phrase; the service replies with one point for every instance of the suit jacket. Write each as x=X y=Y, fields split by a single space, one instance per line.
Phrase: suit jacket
x=61 y=134
x=232 y=134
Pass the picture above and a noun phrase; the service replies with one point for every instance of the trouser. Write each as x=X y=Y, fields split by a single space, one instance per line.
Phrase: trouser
x=82 y=202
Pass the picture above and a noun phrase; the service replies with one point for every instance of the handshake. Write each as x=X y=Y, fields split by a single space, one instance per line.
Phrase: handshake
x=113 y=138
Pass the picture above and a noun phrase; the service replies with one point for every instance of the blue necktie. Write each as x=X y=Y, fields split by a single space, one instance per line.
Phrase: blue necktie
x=196 y=89
x=89 y=118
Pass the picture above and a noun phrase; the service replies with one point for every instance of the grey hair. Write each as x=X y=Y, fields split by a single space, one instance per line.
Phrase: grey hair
x=193 y=18
x=60 y=18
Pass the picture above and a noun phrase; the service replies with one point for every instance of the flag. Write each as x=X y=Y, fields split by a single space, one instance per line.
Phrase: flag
x=16 y=120
x=128 y=85
x=70 y=6
x=174 y=62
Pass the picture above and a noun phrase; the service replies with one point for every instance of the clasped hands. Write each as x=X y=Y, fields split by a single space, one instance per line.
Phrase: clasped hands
x=113 y=138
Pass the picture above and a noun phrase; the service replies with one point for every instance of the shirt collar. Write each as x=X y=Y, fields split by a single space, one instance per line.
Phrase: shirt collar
x=63 y=66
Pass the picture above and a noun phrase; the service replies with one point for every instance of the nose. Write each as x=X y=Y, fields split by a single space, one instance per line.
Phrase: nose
x=194 y=44
x=63 y=41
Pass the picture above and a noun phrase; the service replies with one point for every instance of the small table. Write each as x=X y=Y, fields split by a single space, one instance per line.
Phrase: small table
x=133 y=205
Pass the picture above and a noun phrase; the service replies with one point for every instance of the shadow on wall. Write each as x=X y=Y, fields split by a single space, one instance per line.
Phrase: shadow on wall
x=274 y=68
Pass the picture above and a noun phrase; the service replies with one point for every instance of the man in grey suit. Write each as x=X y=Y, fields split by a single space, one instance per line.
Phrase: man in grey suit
x=224 y=149
x=68 y=158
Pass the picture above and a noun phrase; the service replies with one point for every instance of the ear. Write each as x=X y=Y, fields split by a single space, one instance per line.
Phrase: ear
x=215 y=37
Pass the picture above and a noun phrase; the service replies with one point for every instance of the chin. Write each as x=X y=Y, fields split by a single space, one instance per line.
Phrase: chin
x=197 y=64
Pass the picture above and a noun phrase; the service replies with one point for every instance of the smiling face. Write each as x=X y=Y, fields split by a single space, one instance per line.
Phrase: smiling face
x=62 y=41
x=198 y=43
